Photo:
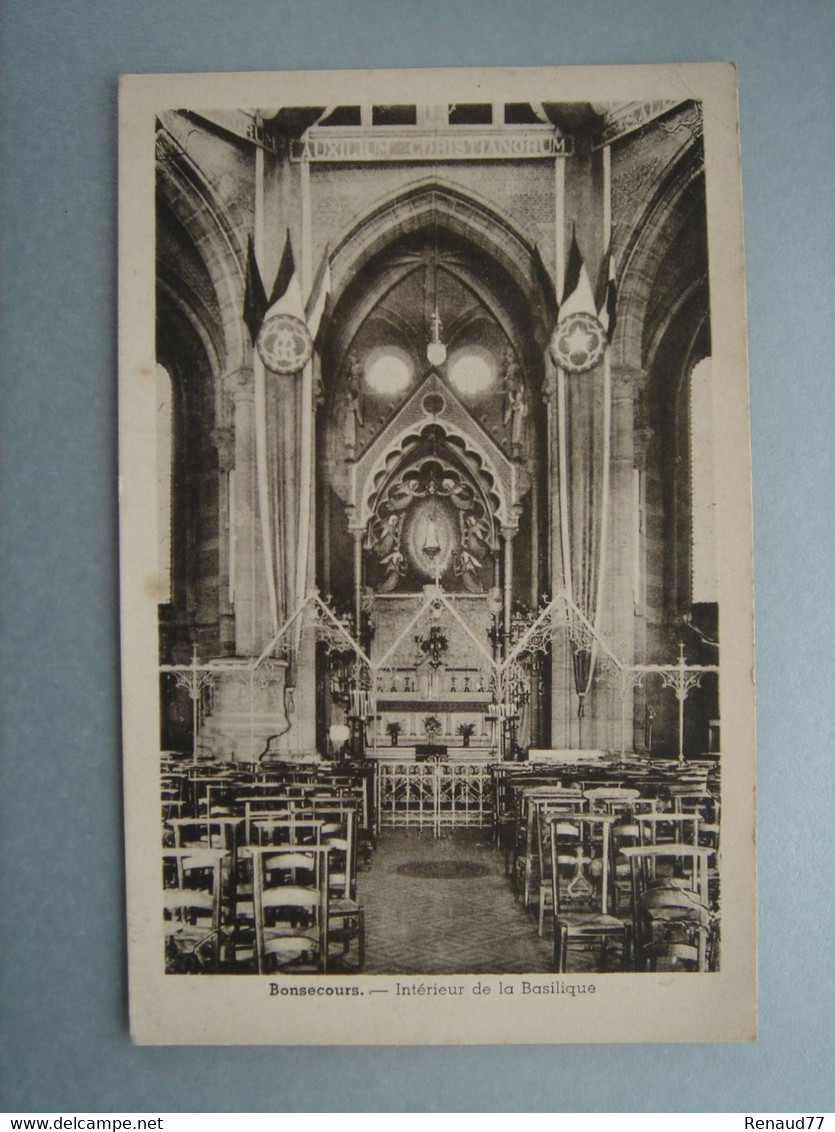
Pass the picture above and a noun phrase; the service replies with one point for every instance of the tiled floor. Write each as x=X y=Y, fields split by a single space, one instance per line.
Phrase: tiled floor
x=467 y=925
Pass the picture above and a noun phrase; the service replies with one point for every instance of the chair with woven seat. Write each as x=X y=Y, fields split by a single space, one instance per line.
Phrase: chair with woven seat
x=192 y=908
x=545 y=812
x=346 y=916
x=673 y=922
x=582 y=896
x=668 y=826
x=528 y=868
x=611 y=800
x=290 y=899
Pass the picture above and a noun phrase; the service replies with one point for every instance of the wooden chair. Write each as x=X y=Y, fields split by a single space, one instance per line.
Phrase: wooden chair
x=668 y=826
x=527 y=868
x=672 y=920
x=611 y=799
x=346 y=916
x=581 y=899
x=545 y=812
x=290 y=897
x=192 y=887
x=212 y=833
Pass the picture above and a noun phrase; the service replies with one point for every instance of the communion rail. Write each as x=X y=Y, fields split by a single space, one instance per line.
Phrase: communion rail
x=434 y=795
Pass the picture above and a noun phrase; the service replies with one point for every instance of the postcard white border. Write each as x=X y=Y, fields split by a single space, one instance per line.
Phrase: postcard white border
x=234 y=1010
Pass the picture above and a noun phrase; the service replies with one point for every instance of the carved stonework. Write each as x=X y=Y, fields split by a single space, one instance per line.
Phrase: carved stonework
x=627 y=382
x=625 y=120
x=247 y=709
x=224 y=441
x=515 y=405
x=642 y=438
x=240 y=384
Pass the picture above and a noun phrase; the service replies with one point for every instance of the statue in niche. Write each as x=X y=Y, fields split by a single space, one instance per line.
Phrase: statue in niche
x=459 y=494
x=475 y=547
x=385 y=542
x=515 y=403
x=353 y=419
x=510 y=375
x=402 y=495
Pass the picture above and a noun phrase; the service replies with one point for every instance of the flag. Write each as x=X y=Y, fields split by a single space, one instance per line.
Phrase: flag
x=286 y=297
x=283 y=328
x=546 y=286
x=284 y=342
x=327 y=311
x=607 y=294
x=577 y=295
x=255 y=297
x=579 y=340
x=317 y=300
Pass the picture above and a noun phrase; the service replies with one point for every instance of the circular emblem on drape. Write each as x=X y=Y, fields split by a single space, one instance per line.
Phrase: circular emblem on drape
x=578 y=343
x=284 y=344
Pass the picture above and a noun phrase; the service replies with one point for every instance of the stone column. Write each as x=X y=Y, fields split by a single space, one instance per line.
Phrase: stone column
x=641 y=439
x=224 y=441
x=248 y=707
x=358 y=535
x=618 y=623
x=508 y=535
x=563 y=700
x=252 y=630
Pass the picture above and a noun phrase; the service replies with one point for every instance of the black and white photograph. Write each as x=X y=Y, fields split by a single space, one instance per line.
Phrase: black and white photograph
x=436 y=557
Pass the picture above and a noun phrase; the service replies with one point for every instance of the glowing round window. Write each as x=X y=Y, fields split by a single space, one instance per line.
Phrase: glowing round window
x=388 y=370
x=472 y=370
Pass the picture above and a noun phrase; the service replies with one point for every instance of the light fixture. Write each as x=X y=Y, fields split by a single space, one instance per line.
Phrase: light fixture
x=436 y=350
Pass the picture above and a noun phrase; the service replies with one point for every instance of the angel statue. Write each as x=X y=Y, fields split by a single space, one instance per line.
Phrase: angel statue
x=385 y=542
x=515 y=403
x=353 y=420
x=475 y=547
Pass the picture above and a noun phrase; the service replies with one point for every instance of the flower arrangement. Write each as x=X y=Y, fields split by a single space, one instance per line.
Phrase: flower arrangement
x=432 y=727
x=465 y=730
x=393 y=730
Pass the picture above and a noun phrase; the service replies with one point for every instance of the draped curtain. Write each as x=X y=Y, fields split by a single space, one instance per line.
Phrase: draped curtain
x=584 y=448
x=281 y=494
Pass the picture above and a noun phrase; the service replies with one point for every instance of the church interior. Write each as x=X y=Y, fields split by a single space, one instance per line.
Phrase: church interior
x=439 y=628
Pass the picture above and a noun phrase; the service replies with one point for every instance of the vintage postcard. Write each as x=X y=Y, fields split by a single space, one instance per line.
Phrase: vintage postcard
x=437 y=626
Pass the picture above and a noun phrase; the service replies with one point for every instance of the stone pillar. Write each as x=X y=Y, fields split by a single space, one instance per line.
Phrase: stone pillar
x=244 y=520
x=358 y=537
x=247 y=706
x=508 y=535
x=563 y=701
x=248 y=714
x=224 y=441
x=641 y=439
x=619 y=609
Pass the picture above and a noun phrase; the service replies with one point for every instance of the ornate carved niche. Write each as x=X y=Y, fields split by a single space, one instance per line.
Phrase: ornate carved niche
x=431 y=522
x=434 y=406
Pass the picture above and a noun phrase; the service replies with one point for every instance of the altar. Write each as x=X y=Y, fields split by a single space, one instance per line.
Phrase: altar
x=423 y=752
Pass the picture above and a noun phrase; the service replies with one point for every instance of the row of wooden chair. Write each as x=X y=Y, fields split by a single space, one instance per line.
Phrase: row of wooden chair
x=246 y=876
x=191 y=790
x=290 y=913
x=615 y=869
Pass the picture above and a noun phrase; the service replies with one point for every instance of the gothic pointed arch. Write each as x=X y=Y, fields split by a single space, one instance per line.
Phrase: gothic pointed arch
x=675 y=202
x=184 y=192
x=435 y=201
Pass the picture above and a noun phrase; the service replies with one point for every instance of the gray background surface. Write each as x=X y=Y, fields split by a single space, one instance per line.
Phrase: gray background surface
x=64 y=1006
